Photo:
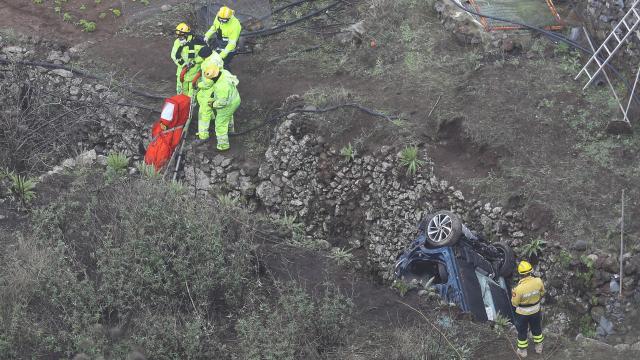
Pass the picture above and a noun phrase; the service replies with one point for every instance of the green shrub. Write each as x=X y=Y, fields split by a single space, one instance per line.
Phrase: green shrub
x=348 y=152
x=137 y=260
x=533 y=248
x=117 y=164
x=409 y=159
x=116 y=12
x=22 y=189
x=87 y=26
x=295 y=326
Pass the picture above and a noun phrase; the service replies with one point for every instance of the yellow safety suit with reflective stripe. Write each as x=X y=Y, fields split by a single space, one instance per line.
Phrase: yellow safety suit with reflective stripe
x=527 y=294
x=185 y=53
x=228 y=33
x=217 y=97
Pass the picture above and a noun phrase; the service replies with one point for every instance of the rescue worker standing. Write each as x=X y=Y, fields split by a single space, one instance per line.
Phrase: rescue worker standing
x=526 y=297
x=224 y=34
x=217 y=94
x=185 y=55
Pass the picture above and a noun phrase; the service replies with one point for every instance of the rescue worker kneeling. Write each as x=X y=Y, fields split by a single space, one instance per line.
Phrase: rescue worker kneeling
x=217 y=94
x=224 y=34
x=526 y=297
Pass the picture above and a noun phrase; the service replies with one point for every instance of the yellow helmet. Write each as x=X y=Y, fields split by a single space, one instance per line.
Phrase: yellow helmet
x=225 y=13
x=182 y=29
x=210 y=71
x=524 y=267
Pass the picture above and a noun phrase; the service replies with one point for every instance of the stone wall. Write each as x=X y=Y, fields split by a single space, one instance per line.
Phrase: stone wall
x=366 y=203
x=605 y=15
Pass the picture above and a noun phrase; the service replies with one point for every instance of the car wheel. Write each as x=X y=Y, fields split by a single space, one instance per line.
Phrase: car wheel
x=444 y=229
x=507 y=260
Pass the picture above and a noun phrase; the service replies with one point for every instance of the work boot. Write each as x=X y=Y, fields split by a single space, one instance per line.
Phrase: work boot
x=522 y=353
x=538 y=348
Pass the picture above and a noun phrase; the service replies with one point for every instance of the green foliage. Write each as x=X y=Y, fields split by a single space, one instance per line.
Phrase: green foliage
x=147 y=171
x=83 y=7
x=37 y=2
x=402 y=287
x=102 y=15
x=341 y=256
x=227 y=200
x=117 y=164
x=348 y=152
x=66 y=17
x=87 y=26
x=116 y=12
x=295 y=326
x=533 y=248
x=409 y=159
x=565 y=258
x=22 y=188
x=501 y=324
x=586 y=326
x=137 y=260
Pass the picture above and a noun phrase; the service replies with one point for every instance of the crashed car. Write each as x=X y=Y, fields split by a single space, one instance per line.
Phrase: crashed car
x=464 y=268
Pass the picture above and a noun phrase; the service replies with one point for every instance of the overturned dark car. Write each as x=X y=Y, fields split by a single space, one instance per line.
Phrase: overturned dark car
x=464 y=268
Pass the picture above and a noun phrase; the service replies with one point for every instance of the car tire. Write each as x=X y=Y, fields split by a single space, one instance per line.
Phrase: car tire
x=508 y=262
x=443 y=229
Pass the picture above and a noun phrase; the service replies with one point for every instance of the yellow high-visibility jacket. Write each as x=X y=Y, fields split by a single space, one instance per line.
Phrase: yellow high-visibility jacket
x=527 y=294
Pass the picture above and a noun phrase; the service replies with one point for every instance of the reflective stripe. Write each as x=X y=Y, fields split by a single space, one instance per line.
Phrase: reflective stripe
x=538 y=339
x=523 y=344
x=233 y=42
x=528 y=309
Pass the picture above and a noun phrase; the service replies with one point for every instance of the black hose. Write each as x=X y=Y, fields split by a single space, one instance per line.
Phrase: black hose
x=79 y=73
x=552 y=35
x=281 y=27
x=323 y=110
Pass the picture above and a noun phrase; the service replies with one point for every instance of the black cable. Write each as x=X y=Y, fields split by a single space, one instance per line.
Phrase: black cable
x=552 y=35
x=323 y=110
x=281 y=27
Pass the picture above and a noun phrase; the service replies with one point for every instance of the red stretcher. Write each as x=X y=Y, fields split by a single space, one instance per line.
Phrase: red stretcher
x=167 y=131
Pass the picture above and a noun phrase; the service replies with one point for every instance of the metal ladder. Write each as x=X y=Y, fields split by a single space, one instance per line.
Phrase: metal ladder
x=627 y=25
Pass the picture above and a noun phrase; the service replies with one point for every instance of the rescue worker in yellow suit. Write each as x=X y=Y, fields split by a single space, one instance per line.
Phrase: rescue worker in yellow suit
x=526 y=297
x=224 y=34
x=217 y=96
x=185 y=54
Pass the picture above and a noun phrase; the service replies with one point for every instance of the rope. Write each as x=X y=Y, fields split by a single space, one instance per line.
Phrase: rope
x=282 y=27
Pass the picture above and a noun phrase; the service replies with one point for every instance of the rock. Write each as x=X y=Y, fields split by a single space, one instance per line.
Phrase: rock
x=246 y=186
x=86 y=158
x=62 y=73
x=323 y=244
x=226 y=162
x=69 y=163
x=196 y=177
x=101 y=160
x=579 y=245
x=74 y=90
x=592 y=343
x=13 y=50
x=605 y=327
x=622 y=347
x=165 y=8
x=233 y=179
x=58 y=57
x=596 y=313
x=635 y=347
x=269 y=193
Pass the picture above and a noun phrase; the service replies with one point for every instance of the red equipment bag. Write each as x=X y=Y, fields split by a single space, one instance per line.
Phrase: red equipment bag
x=167 y=131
